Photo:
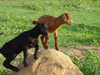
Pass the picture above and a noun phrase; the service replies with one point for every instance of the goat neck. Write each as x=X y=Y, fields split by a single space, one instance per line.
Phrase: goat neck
x=35 y=32
x=58 y=22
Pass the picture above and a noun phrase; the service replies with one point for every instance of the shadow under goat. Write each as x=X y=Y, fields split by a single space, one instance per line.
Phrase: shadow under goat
x=20 y=43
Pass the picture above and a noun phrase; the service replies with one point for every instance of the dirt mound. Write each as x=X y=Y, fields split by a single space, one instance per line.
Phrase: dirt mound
x=50 y=62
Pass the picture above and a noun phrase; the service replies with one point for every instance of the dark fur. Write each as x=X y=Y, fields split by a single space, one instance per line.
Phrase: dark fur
x=22 y=42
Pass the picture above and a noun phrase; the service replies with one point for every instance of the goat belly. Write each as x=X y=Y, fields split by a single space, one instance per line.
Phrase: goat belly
x=10 y=53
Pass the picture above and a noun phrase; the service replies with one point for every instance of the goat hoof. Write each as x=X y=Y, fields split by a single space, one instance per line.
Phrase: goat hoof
x=16 y=69
x=35 y=58
x=57 y=49
x=46 y=47
x=25 y=65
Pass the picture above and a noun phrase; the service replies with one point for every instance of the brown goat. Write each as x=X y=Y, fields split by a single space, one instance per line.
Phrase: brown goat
x=53 y=23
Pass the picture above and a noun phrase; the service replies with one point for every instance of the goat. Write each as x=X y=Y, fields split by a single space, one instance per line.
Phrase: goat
x=53 y=24
x=20 y=43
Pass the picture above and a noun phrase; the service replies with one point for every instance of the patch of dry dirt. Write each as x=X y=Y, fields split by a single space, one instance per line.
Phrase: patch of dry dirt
x=79 y=50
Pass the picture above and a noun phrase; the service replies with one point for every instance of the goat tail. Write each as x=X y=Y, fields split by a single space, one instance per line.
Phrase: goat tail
x=35 y=22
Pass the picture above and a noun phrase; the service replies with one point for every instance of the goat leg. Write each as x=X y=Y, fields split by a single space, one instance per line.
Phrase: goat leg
x=56 y=39
x=7 y=64
x=25 y=57
x=36 y=50
x=43 y=40
x=37 y=41
x=46 y=41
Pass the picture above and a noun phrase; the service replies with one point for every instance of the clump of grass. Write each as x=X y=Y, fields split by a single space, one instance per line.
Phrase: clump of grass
x=90 y=64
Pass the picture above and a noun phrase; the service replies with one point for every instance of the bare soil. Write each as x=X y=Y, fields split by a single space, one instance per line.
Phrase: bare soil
x=78 y=51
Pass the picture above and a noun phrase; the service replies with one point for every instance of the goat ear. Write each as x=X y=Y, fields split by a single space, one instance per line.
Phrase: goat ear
x=64 y=17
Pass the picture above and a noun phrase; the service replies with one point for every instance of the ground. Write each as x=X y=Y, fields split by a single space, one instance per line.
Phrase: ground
x=78 y=51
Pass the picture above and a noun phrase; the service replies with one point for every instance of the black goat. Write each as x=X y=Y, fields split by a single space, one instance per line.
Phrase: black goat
x=22 y=42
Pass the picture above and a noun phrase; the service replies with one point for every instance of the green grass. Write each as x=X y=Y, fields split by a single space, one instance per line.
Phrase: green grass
x=16 y=16
x=90 y=64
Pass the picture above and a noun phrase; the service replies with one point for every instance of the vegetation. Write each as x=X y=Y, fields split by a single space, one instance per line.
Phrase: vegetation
x=90 y=64
x=16 y=16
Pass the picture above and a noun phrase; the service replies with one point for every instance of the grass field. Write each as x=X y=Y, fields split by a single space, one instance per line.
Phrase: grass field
x=16 y=16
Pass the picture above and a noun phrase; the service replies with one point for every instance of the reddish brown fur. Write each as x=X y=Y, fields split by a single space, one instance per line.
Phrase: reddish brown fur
x=53 y=23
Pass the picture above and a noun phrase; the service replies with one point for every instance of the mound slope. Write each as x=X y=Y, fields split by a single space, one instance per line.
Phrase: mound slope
x=49 y=62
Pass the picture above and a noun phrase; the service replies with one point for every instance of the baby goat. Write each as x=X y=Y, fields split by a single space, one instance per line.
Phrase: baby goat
x=53 y=23
x=22 y=42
